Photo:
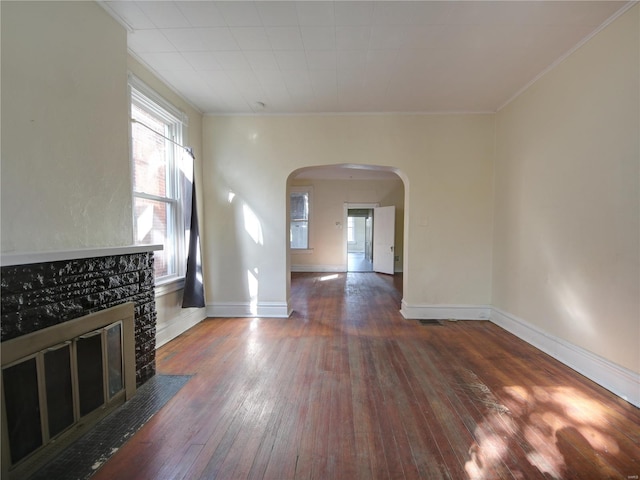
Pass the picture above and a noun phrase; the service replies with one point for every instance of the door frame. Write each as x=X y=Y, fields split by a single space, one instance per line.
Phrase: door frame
x=345 y=238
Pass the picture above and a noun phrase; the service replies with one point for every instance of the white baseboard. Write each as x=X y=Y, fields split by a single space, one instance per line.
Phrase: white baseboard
x=245 y=309
x=319 y=268
x=179 y=325
x=445 y=312
x=613 y=377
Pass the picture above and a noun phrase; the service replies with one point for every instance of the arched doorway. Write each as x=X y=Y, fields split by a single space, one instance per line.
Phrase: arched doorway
x=319 y=196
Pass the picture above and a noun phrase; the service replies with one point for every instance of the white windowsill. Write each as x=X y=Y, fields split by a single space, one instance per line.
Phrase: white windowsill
x=296 y=251
x=169 y=285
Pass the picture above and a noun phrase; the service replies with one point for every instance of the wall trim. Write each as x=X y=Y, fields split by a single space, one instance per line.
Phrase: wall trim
x=445 y=312
x=179 y=325
x=420 y=113
x=246 y=309
x=319 y=268
x=568 y=53
x=615 y=378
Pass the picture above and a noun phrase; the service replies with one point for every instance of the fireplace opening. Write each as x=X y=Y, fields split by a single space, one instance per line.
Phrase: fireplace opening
x=59 y=381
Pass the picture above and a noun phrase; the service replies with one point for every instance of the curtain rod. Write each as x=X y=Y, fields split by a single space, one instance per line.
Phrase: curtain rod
x=189 y=150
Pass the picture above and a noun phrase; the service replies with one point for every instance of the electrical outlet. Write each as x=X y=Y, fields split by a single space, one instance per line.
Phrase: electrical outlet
x=396 y=258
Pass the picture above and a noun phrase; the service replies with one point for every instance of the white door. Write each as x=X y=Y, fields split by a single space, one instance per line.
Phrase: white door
x=384 y=222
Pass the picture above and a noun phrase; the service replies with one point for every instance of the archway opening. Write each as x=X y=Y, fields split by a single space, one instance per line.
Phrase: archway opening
x=318 y=202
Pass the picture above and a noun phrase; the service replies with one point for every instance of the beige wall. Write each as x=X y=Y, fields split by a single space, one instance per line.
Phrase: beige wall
x=327 y=239
x=567 y=247
x=66 y=182
x=446 y=162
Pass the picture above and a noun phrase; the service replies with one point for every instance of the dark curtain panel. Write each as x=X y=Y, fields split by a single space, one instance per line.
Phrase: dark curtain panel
x=193 y=295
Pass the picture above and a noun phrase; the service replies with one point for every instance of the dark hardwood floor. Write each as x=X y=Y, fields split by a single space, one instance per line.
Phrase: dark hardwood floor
x=348 y=389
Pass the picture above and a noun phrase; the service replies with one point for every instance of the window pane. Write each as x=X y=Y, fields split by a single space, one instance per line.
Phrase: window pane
x=299 y=206
x=150 y=154
x=157 y=178
x=153 y=226
x=299 y=235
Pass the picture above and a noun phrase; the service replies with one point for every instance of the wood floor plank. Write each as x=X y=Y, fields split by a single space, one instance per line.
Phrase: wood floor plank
x=348 y=388
x=249 y=403
x=420 y=419
x=279 y=453
x=259 y=429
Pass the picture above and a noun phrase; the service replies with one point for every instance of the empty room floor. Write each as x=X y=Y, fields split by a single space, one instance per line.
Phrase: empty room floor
x=346 y=388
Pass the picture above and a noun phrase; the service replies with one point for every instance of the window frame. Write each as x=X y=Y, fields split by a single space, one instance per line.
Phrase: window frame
x=151 y=102
x=309 y=191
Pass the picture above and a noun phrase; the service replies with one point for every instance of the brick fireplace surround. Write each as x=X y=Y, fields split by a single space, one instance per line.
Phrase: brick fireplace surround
x=45 y=289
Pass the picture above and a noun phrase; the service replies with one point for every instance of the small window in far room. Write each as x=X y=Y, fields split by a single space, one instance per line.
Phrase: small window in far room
x=156 y=132
x=350 y=233
x=299 y=218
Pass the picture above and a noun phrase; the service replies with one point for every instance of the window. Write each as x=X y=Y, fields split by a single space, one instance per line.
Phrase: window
x=350 y=233
x=156 y=132
x=300 y=199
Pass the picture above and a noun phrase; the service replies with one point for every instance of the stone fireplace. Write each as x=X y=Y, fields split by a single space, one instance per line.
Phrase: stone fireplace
x=92 y=311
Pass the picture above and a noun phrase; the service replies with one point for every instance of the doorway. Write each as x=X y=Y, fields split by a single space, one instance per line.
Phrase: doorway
x=346 y=186
x=360 y=239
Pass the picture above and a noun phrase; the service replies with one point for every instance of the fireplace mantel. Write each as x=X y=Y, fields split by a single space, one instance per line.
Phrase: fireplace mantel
x=28 y=258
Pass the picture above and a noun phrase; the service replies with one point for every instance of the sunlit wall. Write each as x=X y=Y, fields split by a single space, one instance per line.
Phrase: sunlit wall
x=447 y=160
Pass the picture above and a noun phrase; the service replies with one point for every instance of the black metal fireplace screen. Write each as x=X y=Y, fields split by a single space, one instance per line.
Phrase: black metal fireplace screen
x=59 y=381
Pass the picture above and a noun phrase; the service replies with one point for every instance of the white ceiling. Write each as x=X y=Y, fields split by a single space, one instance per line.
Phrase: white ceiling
x=354 y=56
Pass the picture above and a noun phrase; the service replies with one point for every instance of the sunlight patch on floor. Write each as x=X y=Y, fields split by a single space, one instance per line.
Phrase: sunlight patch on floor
x=538 y=421
x=329 y=277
